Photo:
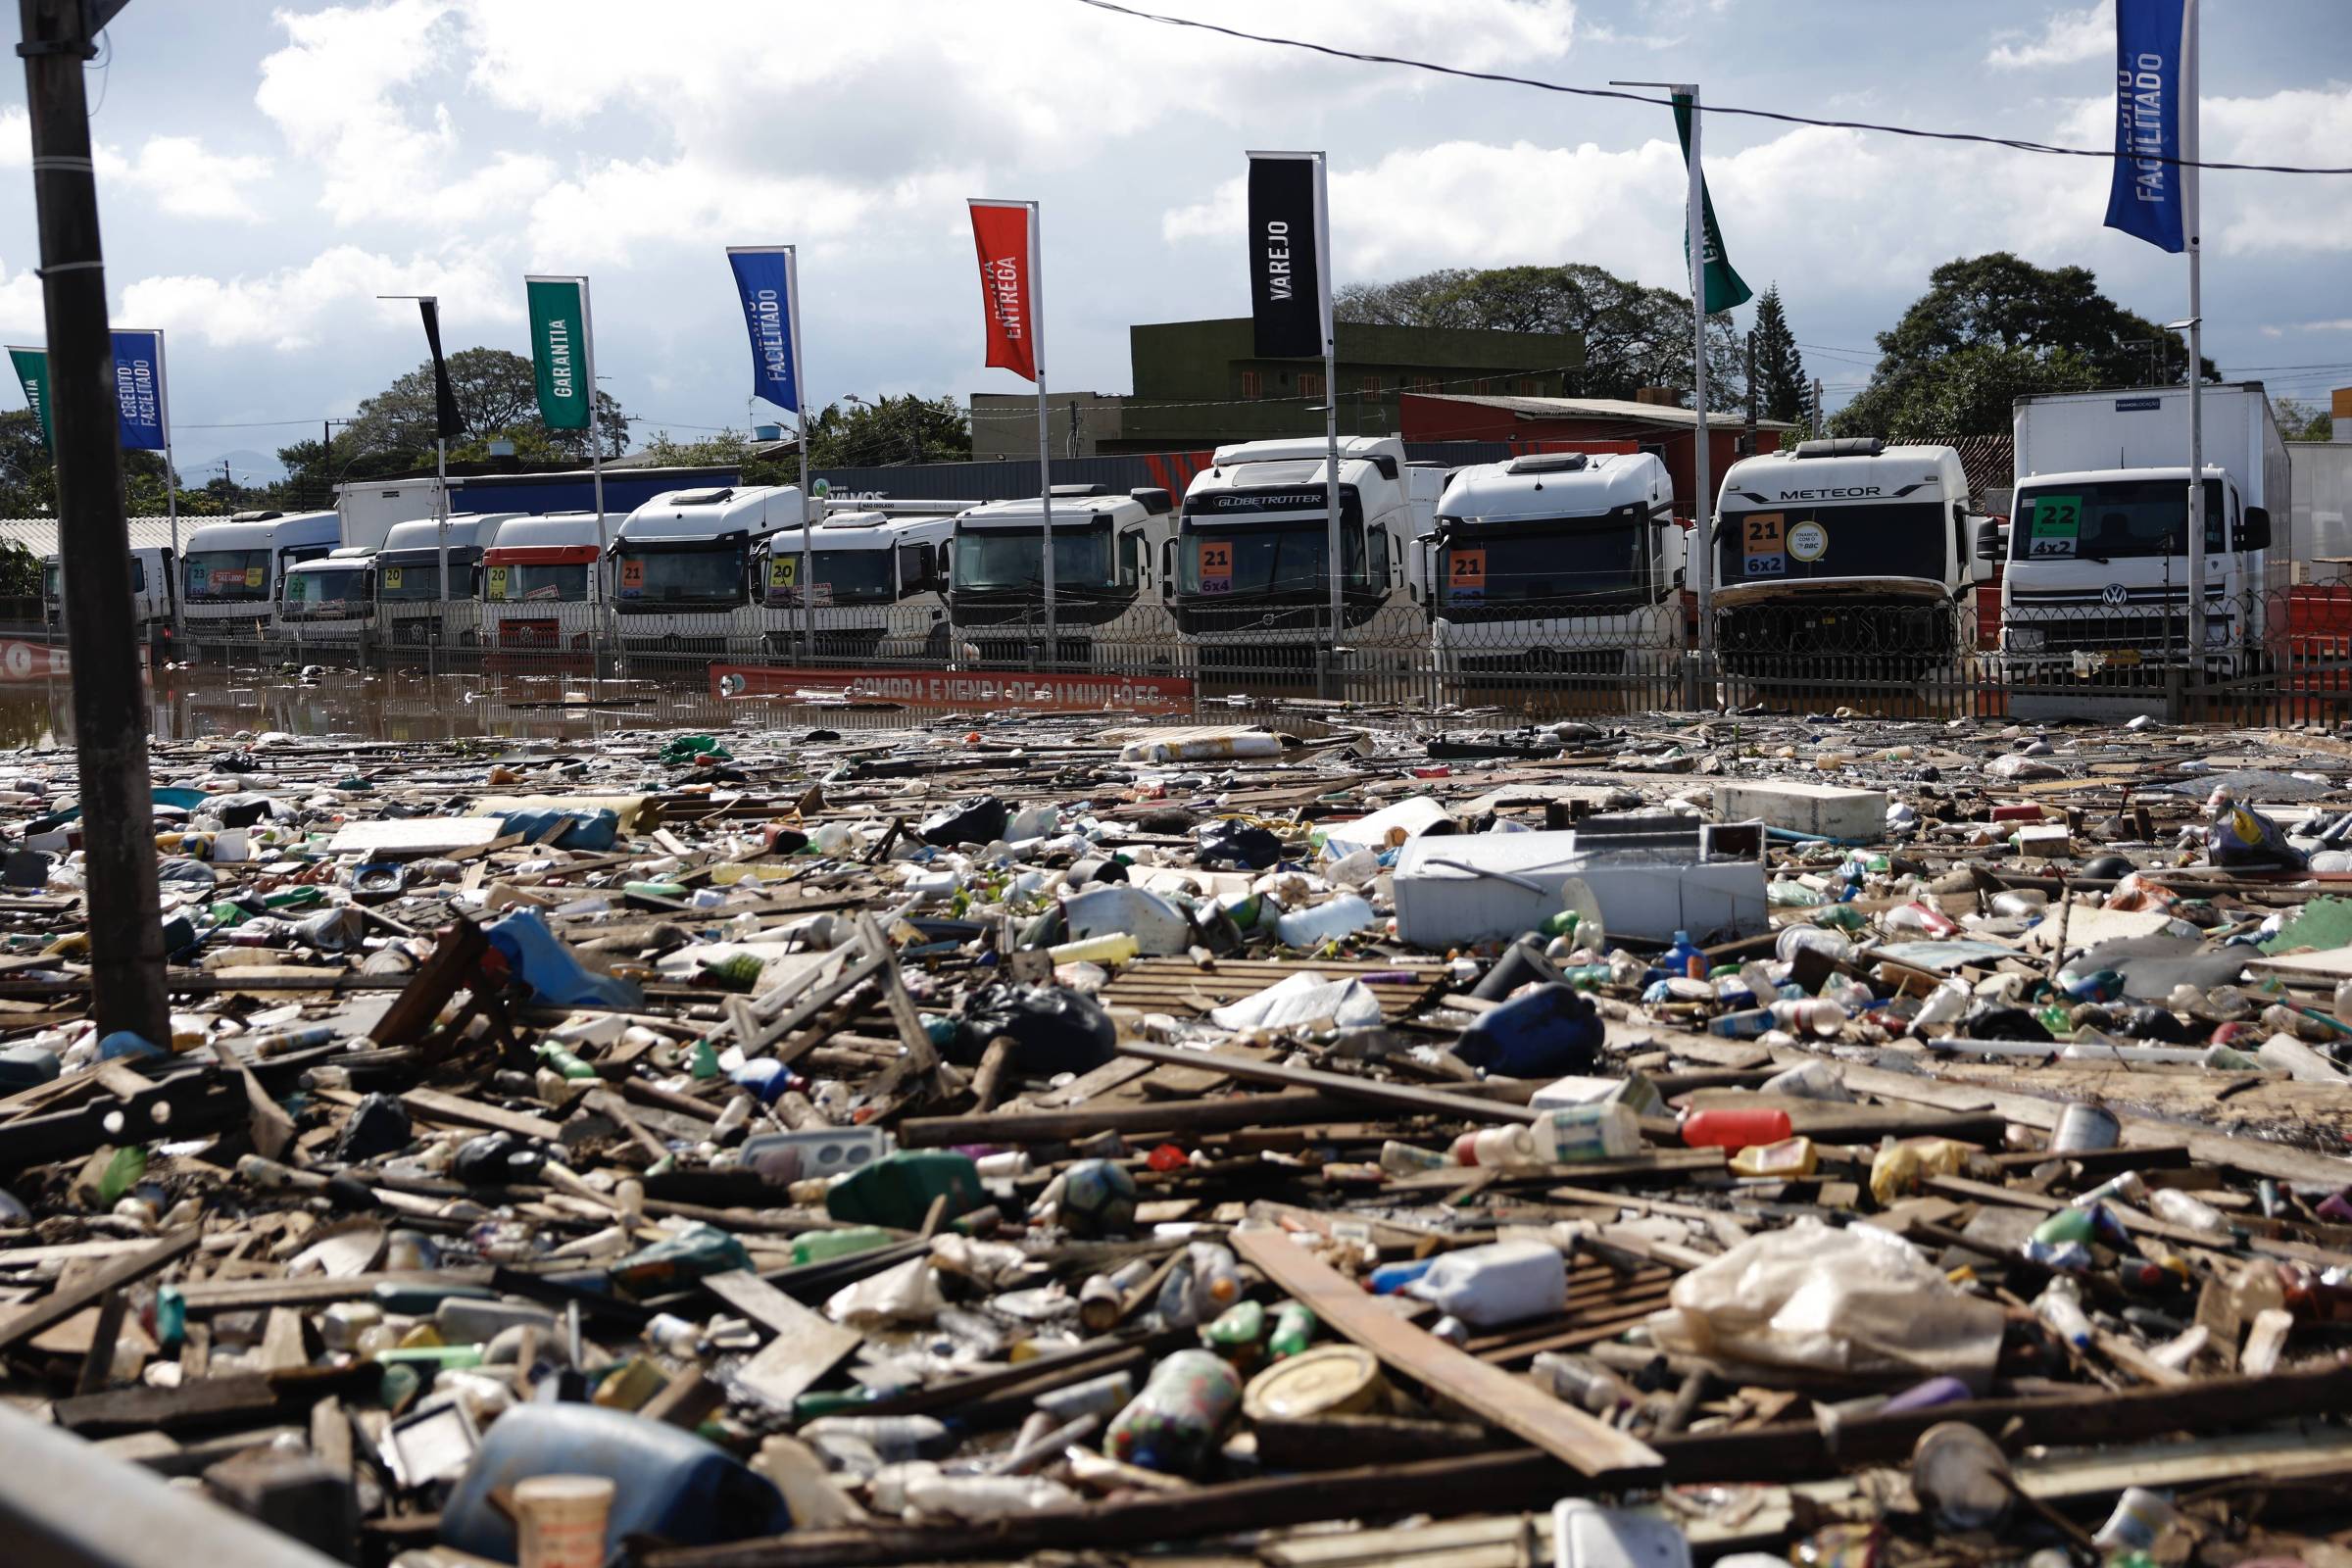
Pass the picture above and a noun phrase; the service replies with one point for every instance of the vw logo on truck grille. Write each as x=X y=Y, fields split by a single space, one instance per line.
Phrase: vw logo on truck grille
x=2115 y=593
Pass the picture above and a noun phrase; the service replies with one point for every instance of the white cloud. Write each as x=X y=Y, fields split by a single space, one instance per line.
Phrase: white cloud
x=321 y=300
x=178 y=173
x=2067 y=38
x=21 y=315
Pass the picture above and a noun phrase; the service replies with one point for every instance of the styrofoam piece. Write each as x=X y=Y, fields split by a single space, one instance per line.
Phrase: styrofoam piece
x=1823 y=809
x=1409 y=817
x=1650 y=878
x=1584 y=1535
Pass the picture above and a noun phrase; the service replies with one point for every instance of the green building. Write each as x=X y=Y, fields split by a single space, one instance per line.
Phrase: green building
x=1199 y=383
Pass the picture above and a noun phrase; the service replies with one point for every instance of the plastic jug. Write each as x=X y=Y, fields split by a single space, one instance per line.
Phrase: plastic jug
x=1547 y=1033
x=896 y=1190
x=1325 y=922
x=1575 y=1134
x=1685 y=959
x=1503 y=1282
x=667 y=1482
x=1107 y=909
x=1170 y=1425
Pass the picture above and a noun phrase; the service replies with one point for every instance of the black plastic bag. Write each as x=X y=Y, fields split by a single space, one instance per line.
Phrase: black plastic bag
x=1233 y=846
x=1053 y=1029
x=980 y=820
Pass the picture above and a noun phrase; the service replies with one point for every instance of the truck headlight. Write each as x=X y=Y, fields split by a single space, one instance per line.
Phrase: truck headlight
x=2026 y=639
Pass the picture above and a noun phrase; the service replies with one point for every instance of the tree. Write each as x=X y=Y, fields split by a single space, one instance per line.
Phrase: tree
x=1780 y=369
x=2302 y=421
x=497 y=394
x=1971 y=391
x=1633 y=336
x=884 y=433
x=1998 y=301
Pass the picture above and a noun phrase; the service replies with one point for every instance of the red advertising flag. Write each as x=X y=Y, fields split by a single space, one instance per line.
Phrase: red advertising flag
x=1007 y=284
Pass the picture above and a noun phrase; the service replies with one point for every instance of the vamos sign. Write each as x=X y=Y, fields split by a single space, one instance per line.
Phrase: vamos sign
x=938 y=688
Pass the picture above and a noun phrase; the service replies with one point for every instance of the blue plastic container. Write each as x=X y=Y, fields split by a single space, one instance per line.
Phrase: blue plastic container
x=1548 y=1032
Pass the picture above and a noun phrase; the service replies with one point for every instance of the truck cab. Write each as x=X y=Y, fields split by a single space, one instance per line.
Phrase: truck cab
x=2097 y=582
x=1103 y=548
x=877 y=580
x=231 y=573
x=154 y=587
x=682 y=568
x=1560 y=561
x=326 y=599
x=1247 y=574
x=1845 y=555
x=414 y=607
x=541 y=583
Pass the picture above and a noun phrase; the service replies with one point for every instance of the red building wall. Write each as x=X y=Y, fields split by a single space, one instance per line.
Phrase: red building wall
x=1430 y=419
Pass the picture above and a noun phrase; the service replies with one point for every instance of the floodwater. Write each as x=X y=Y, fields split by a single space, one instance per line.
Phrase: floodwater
x=213 y=701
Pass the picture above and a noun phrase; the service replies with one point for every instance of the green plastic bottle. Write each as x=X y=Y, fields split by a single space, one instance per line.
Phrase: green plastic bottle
x=897 y=1189
x=817 y=1246
x=1293 y=1330
x=1237 y=1329
x=561 y=1059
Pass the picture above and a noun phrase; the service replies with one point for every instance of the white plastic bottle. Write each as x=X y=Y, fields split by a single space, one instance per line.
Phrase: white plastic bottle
x=1325 y=922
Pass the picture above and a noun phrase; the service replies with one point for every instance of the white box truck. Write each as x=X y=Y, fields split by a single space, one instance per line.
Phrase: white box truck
x=2097 y=573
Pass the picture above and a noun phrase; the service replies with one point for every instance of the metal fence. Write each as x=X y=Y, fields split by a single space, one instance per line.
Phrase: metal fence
x=2284 y=658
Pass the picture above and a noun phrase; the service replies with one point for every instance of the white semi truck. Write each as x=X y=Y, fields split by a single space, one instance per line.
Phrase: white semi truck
x=1557 y=562
x=1252 y=580
x=682 y=565
x=1103 y=548
x=1845 y=557
x=2097 y=576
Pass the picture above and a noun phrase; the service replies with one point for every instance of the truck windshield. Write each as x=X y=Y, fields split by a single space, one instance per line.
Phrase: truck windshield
x=989 y=559
x=842 y=576
x=651 y=575
x=228 y=574
x=414 y=575
x=1264 y=558
x=340 y=589
x=49 y=580
x=1543 y=559
x=2115 y=519
x=1870 y=539
x=565 y=583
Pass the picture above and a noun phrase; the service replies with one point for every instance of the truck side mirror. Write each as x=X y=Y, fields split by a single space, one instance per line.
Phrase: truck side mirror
x=2254 y=529
x=1991 y=543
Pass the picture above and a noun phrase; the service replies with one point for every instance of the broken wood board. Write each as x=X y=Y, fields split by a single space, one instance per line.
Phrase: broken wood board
x=807 y=1345
x=1569 y=1435
x=415 y=837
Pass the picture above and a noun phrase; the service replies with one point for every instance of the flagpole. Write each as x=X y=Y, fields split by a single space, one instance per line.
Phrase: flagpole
x=1701 y=479
x=2191 y=218
x=1044 y=442
x=163 y=398
x=1334 y=557
x=596 y=446
x=800 y=395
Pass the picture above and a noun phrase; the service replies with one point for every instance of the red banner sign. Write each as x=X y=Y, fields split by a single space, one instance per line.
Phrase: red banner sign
x=962 y=689
x=24 y=661
x=1007 y=284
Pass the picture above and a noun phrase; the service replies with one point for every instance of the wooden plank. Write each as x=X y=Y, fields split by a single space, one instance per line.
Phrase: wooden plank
x=443 y=1108
x=415 y=837
x=1566 y=1433
x=807 y=1345
x=1403 y=1097
x=233 y=1295
x=60 y=1304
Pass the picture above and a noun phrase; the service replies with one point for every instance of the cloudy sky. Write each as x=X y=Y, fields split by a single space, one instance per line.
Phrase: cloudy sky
x=266 y=170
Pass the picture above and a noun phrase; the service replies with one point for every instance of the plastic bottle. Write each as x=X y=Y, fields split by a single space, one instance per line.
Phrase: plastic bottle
x=1217 y=1275
x=2129 y=1188
x=1916 y=919
x=1743 y=1025
x=1734 y=1127
x=1502 y=1281
x=1788 y=893
x=1945 y=1006
x=1585 y=1383
x=2060 y=1306
x=1796 y=938
x=1403 y=1159
x=1170 y=1426
x=2343 y=1001
x=1812 y=1080
x=1684 y=958
x=1495 y=1147
x=1817 y=1014
x=1116 y=948
x=1293 y=1330
x=1573 y=1135
x=562 y=1062
x=1548 y=1032
x=1789 y=1160
x=2177 y=1207
x=1325 y=922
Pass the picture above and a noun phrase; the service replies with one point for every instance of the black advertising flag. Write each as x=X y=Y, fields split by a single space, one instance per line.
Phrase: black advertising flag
x=446 y=423
x=1288 y=300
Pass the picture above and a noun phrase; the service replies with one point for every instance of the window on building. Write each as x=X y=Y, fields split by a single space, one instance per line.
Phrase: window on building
x=1526 y=386
x=1310 y=383
x=1484 y=384
x=1368 y=386
x=1254 y=383
x=1425 y=383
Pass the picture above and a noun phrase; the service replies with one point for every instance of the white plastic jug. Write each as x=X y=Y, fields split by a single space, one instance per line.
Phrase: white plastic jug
x=1504 y=1282
x=1325 y=922
x=1107 y=909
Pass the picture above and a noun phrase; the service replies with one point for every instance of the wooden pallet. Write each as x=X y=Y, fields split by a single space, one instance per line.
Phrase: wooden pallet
x=1180 y=987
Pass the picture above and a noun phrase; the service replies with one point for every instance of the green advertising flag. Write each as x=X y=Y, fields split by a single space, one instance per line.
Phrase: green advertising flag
x=1725 y=287
x=559 y=350
x=32 y=369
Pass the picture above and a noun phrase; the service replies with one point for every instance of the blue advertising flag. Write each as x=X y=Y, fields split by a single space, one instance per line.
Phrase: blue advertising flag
x=764 y=276
x=139 y=389
x=2154 y=76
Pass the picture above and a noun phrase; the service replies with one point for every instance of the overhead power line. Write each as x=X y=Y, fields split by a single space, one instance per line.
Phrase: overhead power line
x=2015 y=145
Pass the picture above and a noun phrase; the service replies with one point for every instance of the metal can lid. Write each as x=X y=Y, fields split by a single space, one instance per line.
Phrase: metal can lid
x=1331 y=1380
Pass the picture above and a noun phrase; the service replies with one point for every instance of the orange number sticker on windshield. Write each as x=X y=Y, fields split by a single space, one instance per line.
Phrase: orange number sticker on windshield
x=1764 y=534
x=1466 y=574
x=632 y=575
x=494 y=582
x=1216 y=565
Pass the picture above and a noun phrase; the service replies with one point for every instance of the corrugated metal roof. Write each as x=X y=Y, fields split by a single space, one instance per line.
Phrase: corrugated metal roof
x=39 y=534
x=1603 y=409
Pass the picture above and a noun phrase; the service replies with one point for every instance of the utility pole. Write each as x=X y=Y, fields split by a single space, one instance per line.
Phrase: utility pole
x=110 y=731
